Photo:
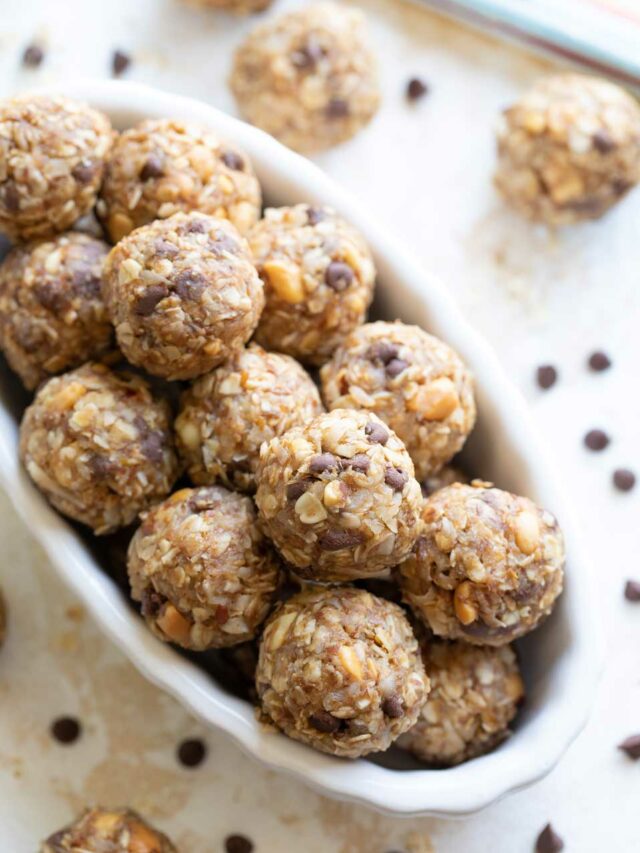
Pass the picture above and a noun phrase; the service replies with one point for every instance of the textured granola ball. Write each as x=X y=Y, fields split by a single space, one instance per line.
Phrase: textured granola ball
x=338 y=497
x=161 y=167
x=202 y=569
x=475 y=693
x=52 y=315
x=446 y=476
x=52 y=153
x=108 y=831
x=99 y=446
x=183 y=294
x=487 y=566
x=318 y=275
x=569 y=149
x=416 y=383
x=240 y=7
x=340 y=670
x=308 y=77
x=226 y=415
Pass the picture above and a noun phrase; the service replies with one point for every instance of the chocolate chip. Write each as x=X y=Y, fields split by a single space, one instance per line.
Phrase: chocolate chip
x=338 y=275
x=222 y=243
x=164 y=249
x=596 y=439
x=153 y=168
x=232 y=160
x=100 y=466
x=393 y=707
x=85 y=172
x=624 y=479
x=396 y=478
x=238 y=844
x=49 y=295
x=603 y=141
x=549 y=841
x=325 y=722
x=86 y=283
x=315 y=215
x=599 y=361
x=191 y=752
x=189 y=284
x=120 y=61
x=55 y=841
x=151 y=602
x=152 y=445
x=338 y=108
x=200 y=502
x=395 y=367
x=66 y=730
x=323 y=462
x=295 y=490
x=376 y=433
x=195 y=226
x=11 y=197
x=620 y=186
x=632 y=591
x=32 y=56
x=308 y=55
x=416 y=89
x=382 y=351
x=337 y=539
x=631 y=746
x=360 y=463
x=151 y=296
x=546 y=376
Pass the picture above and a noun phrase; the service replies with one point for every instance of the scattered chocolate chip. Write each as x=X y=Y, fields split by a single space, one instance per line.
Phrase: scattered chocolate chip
x=33 y=56
x=200 y=502
x=620 y=186
x=376 y=433
x=603 y=141
x=624 y=479
x=55 y=841
x=295 y=490
x=546 y=376
x=86 y=283
x=632 y=591
x=153 y=168
x=338 y=275
x=66 y=729
x=338 y=108
x=631 y=746
x=360 y=463
x=195 y=226
x=315 y=215
x=164 y=249
x=549 y=841
x=396 y=478
x=323 y=462
x=189 y=284
x=151 y=296
x=11 y=197
x=238 y=844
x=308 y=55
x=120 y=61
x=395 y=367
x=325 y=722
x=383 y=351
x=596 y=439
x=191 y=752
x=337 y=539
x=416 y=89
x=599 y=361
x=85 y=171
x=151 y=602
x=222 y=243
x=232 y=160
x=393 y=707
x=49 y=295
x=100 y=466
x=152 y=445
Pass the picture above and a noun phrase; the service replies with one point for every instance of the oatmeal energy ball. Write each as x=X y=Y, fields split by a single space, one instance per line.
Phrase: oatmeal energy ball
x=416 y=383
x=318 y=275
x=99 y=446
x=52 y=315
x=487 y=567
x=308 y=77
x=475 y=693
x=161 y=167
x=52 y=153
x=183 y=294
x=340 y=670
x=569 y=149
x=227 y=414
x=338 y=497
x=202 y=569
x=108 y=831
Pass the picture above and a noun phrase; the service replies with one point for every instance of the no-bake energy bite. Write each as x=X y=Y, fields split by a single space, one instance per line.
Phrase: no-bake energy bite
x=202 y=569
x=52 y=315
x=183 y=294
x=308 y=77
x=52 y=153
x=415 y=382
x=99 y=446
x=338 y=497
x=108 y=831
x=487 y=567
x=161 y=167
x=340 y=670
x=569 y=149
x=318 y=275
x=227 y=414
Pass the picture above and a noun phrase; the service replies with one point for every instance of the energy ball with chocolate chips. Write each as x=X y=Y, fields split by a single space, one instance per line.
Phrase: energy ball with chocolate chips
x=568 y=149
x=183 y=294
x=203 y=571
x=338 y=497
x=52 y=153
x=99 y=446
x=318 y=275
x=340 y=670
x=226 y=415
x=475 y=693
x=108 y=831
x=52 y=315
x=161 y=167
x=308 y=77
x=487 y=567
x=413 y=381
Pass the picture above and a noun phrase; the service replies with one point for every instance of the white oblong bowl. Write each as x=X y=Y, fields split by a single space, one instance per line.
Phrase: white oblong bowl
x=563 y=659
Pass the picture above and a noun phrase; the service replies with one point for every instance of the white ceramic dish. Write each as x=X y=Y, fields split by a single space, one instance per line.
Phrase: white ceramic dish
x=562 y=660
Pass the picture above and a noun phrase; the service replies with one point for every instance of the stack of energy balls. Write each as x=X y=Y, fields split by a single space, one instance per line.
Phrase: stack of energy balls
x=339 y=487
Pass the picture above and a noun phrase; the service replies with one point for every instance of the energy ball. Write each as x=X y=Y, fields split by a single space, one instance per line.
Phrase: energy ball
x=183 y=294
x=487 y=566
x=309 y=77
x=318 y=275
x=52 y=153
x=226 y=415
x=340 y=670
x=446 y=476
x=98 y=446
x=416 y=383
x=569 y=149
x=52 y=315
x=161 y=167
x=475 y=693
x=203 y=571
x=338 y=497
x=240 y=7
x=108 y=831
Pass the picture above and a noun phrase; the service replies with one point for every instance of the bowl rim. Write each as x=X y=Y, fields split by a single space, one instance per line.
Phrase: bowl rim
x=456 y=791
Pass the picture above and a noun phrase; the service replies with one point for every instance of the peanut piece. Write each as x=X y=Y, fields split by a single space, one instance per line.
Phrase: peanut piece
x=464 y=609
x=174 y=625
x=435 y=401
x=351 y=662
x=309 y=509
x=527 y=531
x=286 y=281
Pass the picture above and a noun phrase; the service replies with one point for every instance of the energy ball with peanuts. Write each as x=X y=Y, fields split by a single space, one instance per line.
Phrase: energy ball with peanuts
x=161 y=167
x=52 y=155
x=340 y=670
x=99 y=446
x=487 y=567
x=569 y=149
x=202 y=569
x=101 y=830
x=309 y=77
x=338 y=497
x=475 y=693
x=52 y=315
x=227 y=414
x=416 y=383
x=318 y=275
x=183 y=294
